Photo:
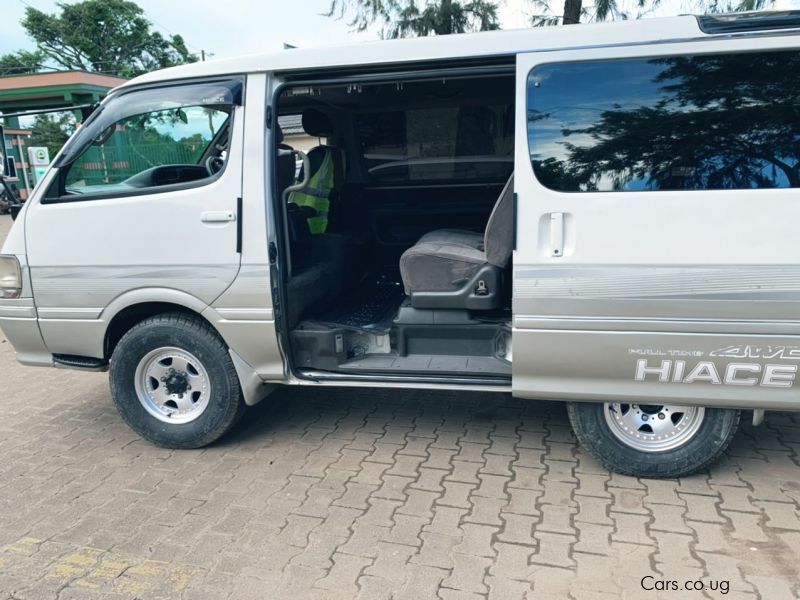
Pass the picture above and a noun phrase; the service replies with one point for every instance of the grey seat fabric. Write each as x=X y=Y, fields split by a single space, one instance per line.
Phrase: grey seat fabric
x=447 y=259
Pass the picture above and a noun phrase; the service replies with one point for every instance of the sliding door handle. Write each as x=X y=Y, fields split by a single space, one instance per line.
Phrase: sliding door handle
x=556 y=234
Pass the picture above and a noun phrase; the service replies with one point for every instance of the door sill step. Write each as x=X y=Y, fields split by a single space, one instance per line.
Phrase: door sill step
x=500 y=384
x=83 y=363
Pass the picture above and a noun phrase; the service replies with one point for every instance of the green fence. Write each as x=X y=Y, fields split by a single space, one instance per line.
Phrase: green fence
x=109 y=164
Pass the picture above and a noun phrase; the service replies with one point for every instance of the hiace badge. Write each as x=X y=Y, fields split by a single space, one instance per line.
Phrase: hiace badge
x=666 y=367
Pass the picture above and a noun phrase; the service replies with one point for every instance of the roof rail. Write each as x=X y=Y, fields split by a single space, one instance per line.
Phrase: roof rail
x=749 y=21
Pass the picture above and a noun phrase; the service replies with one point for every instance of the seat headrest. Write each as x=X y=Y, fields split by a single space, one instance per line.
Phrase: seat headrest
x=316 y=123
x=279 y=132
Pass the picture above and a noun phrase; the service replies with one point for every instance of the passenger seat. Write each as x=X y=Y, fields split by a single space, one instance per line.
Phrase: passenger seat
x=327 y=173
x=324 y=264
x=454 y=268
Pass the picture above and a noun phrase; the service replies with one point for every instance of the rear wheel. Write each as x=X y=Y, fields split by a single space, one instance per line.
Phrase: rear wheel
x=653 y=440
x=174 y=382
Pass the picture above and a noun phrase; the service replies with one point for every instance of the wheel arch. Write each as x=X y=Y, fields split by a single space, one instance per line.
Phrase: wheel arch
x=134 y=314
x=131 y=309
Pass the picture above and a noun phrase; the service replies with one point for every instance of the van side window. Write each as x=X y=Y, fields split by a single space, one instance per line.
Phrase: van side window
x=698 y=122
x=150 y=139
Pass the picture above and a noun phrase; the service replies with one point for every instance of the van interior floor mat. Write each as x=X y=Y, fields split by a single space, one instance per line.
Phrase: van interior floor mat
x=370 y=307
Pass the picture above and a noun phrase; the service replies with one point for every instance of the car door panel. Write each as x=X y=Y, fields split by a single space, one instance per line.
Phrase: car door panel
x=680 y=283
x=86 y=252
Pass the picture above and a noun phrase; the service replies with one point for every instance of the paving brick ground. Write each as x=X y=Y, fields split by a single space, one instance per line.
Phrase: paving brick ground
x=373 y=494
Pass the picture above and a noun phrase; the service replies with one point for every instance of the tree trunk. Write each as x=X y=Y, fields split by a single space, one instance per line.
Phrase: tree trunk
x=446 y=16
x=572 y=12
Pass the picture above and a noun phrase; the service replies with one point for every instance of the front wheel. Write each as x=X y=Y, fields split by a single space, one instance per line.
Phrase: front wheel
x=653 y=440
x=174 y=382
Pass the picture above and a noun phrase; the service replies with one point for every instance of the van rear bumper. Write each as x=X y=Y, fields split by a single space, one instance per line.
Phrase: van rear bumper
x=20 y=327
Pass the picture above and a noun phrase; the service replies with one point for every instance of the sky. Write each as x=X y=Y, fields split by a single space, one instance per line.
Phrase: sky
x=230 y=27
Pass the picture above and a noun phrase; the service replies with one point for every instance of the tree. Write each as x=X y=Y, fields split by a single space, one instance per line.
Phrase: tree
x=575 y=11
x=52 y=131
x=21 y=63
x=108 y=36
x=405 y=18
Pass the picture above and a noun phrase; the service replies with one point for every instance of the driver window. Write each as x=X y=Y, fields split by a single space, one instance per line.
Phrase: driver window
x=130 y=151
x=142 y=140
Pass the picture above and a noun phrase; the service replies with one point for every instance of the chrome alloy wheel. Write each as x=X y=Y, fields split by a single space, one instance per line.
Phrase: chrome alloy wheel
x=653 y=427
x=172 y=385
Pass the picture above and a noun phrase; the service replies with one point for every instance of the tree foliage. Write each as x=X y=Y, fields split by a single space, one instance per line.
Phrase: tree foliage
x=411 y=18
x=52 y=131
x=108 y=36
x=569 y=12
x=21 y=63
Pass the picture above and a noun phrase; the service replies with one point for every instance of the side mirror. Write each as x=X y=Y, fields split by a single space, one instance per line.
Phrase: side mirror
x=15 y=208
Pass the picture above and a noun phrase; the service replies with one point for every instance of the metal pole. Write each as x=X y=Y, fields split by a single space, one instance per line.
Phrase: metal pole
x=12 y=198
x=24 y=159
x=3 y=150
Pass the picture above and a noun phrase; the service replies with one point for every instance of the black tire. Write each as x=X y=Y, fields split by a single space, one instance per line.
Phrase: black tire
x=711 y=439
x=225 y=405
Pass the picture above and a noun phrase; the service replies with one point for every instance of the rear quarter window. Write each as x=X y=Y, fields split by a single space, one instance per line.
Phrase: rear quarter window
x=696 y=122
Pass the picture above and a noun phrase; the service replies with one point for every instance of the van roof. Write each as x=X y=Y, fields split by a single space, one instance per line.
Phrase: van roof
x=454 y=47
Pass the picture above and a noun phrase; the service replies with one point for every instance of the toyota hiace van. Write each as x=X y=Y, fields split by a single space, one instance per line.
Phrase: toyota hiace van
x=601 y=214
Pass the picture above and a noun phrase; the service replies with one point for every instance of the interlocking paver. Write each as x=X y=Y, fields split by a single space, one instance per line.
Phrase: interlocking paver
x=507 y=589
x=457 y=495
x=422 y=582
x=356 y=495
x=631 y=528
x=593 y=538
x=364 y=540
x=430 y=480
x=780 y=515
x=477 y=540
x=667 y=517
x=736 y=498
x=465 y=472
x=436 y=550
x=486 y=510
x=380 y=512
x=406 y=530
x=674 y=549
x=554 y=549
x=377 y=493
x=557 y=519
x=406 y=465
x=593 y=510
x=344 y=574
x=747 y=527
x=523 y=502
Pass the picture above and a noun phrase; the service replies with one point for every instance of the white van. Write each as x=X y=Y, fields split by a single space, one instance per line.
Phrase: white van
x=618 y=203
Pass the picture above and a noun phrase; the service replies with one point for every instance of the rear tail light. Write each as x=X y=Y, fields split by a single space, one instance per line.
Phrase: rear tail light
x=10 y=277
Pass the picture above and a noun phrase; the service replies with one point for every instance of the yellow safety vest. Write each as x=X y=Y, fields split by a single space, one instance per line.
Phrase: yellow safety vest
x=317 y=194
